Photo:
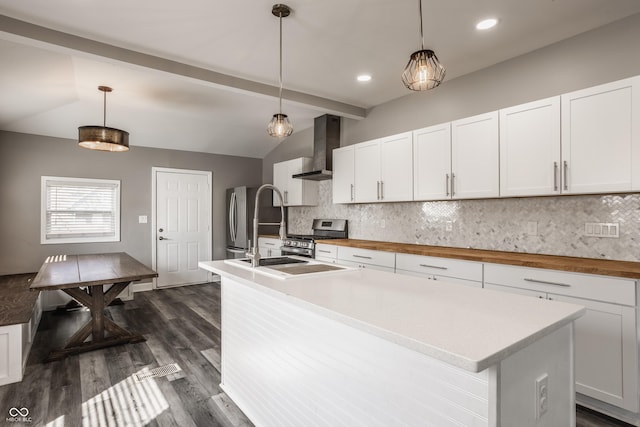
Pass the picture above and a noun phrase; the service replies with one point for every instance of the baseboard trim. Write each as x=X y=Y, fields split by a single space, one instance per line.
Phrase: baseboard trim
x=142 y=287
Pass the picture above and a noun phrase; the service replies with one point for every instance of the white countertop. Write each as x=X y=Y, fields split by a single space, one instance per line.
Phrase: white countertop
x=467 y=327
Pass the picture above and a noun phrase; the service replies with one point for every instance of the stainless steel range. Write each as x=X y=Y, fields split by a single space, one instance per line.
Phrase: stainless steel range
x=304 y=244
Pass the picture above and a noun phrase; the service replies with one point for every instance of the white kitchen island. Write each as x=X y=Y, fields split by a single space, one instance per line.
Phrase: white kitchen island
x=369 y=348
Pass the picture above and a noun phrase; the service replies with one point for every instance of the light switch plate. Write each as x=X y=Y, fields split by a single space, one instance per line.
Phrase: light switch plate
x=142 y=219
x=602 y=229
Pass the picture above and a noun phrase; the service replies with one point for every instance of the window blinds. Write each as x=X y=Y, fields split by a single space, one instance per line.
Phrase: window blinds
x=81 y=209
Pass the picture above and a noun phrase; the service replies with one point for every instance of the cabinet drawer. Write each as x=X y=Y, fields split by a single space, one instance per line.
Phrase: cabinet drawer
x=460 y=269
x=367 y=256
x=365 y=265
x=326 y=251
x=599 y=288
x=269 y=242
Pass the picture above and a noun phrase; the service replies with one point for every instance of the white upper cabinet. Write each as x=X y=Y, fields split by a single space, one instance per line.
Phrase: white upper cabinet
x=601 y=138
x=367 y=171
x=530 y=149
x=384 y=169
x=432 y=162
x=474 y=157
x=344 y=175
x=296 y=192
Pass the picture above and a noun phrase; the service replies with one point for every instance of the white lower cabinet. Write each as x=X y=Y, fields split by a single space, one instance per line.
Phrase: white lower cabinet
x=366 y=258
x=15 y=345
x=269 y=246
x=606 y=345
x=606 y=352
x=462 y=272
x=327 y=253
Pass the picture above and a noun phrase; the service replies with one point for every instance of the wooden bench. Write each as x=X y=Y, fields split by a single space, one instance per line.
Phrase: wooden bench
x=20 y=312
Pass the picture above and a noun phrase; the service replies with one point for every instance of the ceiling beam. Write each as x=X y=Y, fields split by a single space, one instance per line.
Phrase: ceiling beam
x=47 y=36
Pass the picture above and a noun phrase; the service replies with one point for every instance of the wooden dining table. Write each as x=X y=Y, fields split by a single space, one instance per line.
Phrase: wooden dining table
x=83 y=277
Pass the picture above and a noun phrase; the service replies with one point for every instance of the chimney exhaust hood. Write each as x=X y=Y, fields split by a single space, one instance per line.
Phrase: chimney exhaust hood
x=326 y=137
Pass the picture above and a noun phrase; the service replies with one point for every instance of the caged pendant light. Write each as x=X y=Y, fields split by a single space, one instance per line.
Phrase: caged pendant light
x=424 y=71
x=280 y=126
x=103 y=138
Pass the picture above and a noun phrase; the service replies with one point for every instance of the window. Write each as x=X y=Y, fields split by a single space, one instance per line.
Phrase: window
x=78 y=210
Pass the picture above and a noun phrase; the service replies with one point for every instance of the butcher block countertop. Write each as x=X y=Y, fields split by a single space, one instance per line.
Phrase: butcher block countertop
x=603 y=267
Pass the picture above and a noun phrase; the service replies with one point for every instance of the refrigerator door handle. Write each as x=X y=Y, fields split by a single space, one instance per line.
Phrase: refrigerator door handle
x=232 y=217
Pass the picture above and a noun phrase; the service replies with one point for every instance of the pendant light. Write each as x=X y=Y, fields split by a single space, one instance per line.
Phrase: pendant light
x=280 y=126
x=424 y=71
x=103 y=138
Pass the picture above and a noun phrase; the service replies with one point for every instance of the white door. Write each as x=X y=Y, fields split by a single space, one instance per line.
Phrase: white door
x=432 y=163
x=396 y=168
x=182 y=222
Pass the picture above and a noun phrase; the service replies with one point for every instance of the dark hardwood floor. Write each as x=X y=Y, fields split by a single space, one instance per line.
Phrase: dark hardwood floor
x=100 y=388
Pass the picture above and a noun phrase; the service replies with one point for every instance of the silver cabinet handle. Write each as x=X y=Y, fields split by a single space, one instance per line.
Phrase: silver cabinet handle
x=433 y=266
x=555 y=176
x=566 y=167
x=269 y=244
x=323 y=251
x=162 y=238
x=453 y=180
x=361 y=256
x=381 y=190
x=286 y=197
x=447 y=185
x=352 y=192
x=544 y=282
x=378 y=190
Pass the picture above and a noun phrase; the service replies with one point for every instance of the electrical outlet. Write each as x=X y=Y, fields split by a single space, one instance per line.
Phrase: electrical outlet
x=532 y=228
x=448 y=226
x=542 y=396
x=382 y=223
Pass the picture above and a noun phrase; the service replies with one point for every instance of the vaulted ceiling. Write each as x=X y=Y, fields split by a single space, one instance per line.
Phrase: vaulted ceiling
x=203 y=75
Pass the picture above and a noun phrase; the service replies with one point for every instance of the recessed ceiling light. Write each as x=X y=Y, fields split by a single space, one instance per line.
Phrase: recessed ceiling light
x=486 y=24
x=364 y=77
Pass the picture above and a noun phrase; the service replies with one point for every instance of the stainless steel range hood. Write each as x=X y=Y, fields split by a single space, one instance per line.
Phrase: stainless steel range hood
x=326 y=137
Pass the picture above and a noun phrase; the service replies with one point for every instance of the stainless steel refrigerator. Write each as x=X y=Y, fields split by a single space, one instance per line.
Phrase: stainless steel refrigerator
x=240 y=210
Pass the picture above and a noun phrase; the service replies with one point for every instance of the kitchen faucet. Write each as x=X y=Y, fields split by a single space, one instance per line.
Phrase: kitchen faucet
x=254 y=253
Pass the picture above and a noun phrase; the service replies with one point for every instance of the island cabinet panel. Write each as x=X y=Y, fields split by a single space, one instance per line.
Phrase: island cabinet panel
x=606 y=352
x=286 y=363
x=601 y=138
x=434 y=268
x=530 y=149
x=311 y=370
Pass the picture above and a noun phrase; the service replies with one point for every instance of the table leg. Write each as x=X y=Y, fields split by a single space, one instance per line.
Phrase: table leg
x=96 y=300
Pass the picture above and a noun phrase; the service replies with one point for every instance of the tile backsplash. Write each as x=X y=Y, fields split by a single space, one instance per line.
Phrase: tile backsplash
x=496 y=224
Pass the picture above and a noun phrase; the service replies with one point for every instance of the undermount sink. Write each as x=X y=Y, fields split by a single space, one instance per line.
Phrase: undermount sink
x=281 y=260
x=286 y=267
